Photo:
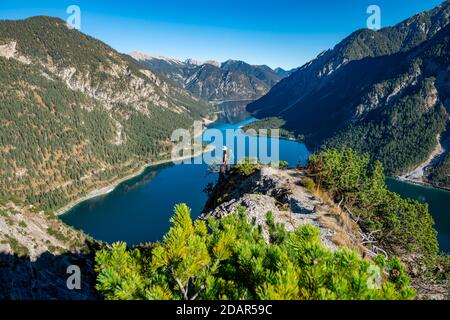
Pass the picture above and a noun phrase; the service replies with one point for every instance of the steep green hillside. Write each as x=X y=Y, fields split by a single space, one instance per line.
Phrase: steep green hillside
x=361 y=44
x=407 y=111
x=440 y=174
x=75 y=114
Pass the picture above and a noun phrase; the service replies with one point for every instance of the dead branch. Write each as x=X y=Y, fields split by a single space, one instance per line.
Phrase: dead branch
x=378 y=249
x=203 y=287
x=340 y=202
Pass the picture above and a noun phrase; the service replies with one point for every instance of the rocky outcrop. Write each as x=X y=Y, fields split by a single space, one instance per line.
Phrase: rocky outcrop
x=30 y=234
x=281 y=192
x=9 y=51
x=36 y=251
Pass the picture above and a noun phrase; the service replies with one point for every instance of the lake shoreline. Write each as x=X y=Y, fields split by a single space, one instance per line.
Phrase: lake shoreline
x=419 y=183
x=280 y=137
x=418 y=176
x=112 y=186
x=403 y=178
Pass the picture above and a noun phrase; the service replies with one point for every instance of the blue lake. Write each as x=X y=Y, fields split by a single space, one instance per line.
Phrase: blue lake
x=139 y=210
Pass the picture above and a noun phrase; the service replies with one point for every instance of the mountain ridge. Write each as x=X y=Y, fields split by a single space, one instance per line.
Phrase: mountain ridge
x=363 y=93
x=354 y=47
x=216 y=82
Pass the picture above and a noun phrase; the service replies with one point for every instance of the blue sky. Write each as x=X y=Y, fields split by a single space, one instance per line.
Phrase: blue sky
x=284 y=33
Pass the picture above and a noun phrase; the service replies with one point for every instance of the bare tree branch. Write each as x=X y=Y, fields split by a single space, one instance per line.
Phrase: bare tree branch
x=180 y=285
x=203 y=287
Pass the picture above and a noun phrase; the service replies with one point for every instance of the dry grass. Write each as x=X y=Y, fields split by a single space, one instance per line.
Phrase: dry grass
x=341 y=237
x=346 y=229
x=286 y=217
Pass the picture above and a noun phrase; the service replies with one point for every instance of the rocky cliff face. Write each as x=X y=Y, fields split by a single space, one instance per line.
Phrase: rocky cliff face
x=88 y=66
x=29 y=234
x=36 y=251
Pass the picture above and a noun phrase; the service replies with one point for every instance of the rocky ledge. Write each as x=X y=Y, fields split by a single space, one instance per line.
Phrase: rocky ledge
x=282 y=193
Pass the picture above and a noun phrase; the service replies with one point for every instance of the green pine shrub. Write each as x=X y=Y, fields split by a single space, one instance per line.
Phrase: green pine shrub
x=232 y=261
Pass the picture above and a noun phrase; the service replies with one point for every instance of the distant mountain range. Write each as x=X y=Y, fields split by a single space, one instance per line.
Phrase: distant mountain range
x=214 y=81
x=386 y=93
x=284 y=73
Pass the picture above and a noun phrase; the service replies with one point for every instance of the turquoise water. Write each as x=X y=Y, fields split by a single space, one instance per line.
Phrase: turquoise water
x=139 y=210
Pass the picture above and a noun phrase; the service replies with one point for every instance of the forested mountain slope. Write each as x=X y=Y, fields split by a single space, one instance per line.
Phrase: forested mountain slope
x=383 y=92
x=76 y=114
x=360 y=44
x=406 y=113
x=213 y=81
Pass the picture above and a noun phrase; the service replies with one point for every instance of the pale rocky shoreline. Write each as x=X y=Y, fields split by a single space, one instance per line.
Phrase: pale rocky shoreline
x=111 y=187
x=418 y=175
